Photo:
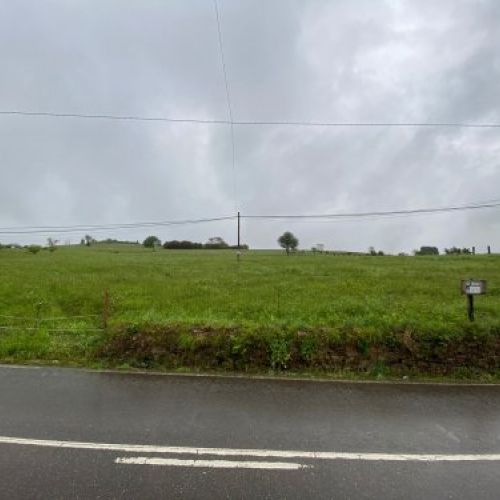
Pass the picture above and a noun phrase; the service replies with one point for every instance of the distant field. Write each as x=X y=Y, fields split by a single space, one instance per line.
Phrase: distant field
x=368 y=296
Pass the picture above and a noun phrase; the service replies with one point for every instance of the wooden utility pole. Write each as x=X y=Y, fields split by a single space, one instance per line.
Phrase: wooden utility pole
x=239 y=227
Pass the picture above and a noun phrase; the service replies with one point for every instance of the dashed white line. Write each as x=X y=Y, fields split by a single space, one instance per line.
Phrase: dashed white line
x=262 y=453
x=210 y=464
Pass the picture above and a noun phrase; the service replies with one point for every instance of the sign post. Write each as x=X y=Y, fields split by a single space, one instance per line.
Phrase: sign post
x=470 y=288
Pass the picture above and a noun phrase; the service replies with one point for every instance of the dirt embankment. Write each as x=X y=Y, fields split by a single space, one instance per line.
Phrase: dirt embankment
x=280 y=349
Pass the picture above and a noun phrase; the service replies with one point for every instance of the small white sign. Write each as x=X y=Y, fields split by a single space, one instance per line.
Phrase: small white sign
x=474 y=287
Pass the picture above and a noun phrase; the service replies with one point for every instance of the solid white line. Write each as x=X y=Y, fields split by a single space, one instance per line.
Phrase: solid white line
x=210 y=464
x=235 y=452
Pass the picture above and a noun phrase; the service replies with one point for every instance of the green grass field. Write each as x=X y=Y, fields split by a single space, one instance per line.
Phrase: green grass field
x=43 y=295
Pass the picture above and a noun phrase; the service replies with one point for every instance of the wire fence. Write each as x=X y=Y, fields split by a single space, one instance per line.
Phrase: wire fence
x=59 y=318
x=37 y=323
x=68 y=330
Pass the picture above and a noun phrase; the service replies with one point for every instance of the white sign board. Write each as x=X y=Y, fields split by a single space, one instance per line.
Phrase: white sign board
x=473 y=287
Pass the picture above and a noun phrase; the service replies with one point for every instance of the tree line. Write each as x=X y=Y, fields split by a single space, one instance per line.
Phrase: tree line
x=214 y=243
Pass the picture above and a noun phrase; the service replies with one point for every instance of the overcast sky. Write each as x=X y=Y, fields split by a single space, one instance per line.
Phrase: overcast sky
x=333 y=60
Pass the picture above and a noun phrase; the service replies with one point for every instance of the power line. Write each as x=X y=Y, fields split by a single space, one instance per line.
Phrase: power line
x=300 y=217
x=251 y=123
x=355 y=215
x=367 y=124
x=105 y=227
x=90 y=116
x=228 y=99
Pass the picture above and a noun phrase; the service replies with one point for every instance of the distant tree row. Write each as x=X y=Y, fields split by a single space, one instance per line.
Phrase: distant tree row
x=112 y=241
x=457 y=251
x=288 y=241
x=215 y=243
x=182 y=245
x=89 y=240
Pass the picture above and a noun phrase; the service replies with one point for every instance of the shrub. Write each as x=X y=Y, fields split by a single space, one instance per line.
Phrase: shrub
x=34 y=249
x=279 y=350
x=427 y=251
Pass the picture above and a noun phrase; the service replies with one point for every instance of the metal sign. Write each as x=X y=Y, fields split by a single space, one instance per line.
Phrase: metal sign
x=473 y=287
x=470 y=288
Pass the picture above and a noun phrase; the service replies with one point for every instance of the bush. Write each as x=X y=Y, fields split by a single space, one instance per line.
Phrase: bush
x=279 y=349
x=34 y=249
x=427 y=251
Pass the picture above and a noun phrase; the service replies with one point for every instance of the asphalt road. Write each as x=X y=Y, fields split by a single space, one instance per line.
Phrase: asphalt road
x=67 y=434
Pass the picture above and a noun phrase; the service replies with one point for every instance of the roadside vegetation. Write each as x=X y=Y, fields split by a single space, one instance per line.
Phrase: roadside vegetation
x=200 y=309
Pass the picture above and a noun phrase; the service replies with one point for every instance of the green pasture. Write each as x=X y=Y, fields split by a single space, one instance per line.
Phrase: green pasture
x=51 y=303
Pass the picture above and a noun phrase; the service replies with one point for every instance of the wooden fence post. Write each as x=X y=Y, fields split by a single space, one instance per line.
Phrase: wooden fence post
x=105 y=309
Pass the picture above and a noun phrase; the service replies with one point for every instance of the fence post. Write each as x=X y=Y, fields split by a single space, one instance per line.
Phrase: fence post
x=105 y=309
x=38 y=313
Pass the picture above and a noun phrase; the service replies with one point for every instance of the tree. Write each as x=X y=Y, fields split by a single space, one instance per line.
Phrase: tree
x=89 y=240
x=427 y=251
x=288 y=241
x=52 y=244
x=216 y=243
x=151 y=242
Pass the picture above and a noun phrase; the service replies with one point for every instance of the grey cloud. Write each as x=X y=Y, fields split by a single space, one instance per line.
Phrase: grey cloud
x=318 y=60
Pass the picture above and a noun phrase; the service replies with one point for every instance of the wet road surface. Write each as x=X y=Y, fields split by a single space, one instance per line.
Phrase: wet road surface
x=69 y=434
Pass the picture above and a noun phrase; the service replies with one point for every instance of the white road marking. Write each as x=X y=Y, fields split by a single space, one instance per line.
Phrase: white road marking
x=235 y=452
x=210 y=464
x=448 y=434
